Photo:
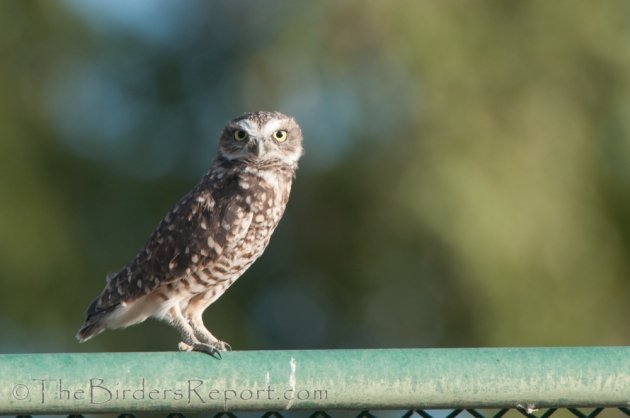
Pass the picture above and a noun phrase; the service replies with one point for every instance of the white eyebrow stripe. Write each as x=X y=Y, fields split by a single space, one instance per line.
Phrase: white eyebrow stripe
x=248 y=126
x=271 y=127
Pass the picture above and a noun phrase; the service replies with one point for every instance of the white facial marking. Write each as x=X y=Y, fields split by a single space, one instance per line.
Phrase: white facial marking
x=248 y=126
x=271 y=126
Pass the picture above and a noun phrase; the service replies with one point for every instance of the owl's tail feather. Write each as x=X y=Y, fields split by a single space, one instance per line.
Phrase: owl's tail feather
x=89 y=330
x=94 y=322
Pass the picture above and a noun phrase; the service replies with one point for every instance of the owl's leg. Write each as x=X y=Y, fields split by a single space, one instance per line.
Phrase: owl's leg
x=193 y=312
x=202 y=333
x=189 y=340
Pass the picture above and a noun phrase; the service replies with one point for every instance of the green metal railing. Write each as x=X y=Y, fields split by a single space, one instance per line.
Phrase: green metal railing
x=411 y=380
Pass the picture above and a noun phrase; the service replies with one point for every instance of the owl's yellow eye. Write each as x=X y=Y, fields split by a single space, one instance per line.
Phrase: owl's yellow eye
x=280 y=135
x=240 y=135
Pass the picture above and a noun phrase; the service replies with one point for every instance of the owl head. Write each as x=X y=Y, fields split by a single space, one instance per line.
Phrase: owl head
x=263 y=138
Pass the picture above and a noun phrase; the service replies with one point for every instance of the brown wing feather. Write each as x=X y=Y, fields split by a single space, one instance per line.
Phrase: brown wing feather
x=180 y=243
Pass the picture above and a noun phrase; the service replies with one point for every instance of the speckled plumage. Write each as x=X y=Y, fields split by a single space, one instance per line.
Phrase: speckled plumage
x=210 y=237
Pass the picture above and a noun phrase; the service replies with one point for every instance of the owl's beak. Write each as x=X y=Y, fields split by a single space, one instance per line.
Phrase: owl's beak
x=257 y=147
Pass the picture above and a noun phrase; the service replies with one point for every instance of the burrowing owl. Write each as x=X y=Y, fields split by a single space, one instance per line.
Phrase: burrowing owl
x=209 y=238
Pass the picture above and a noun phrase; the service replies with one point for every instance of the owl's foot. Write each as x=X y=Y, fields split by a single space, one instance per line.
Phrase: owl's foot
x=224 y=346
x=214 y=349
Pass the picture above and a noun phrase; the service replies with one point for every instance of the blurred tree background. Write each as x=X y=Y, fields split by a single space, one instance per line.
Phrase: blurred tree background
x=466 y=181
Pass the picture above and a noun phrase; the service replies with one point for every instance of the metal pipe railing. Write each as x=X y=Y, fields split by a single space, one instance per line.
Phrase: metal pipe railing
x=315 y=380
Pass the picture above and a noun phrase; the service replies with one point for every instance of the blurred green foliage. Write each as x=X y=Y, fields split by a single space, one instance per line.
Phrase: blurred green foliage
x=466 y=182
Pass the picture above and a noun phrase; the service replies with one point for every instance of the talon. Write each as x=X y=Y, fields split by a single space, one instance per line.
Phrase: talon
x=211 y=349
x=214 y=349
